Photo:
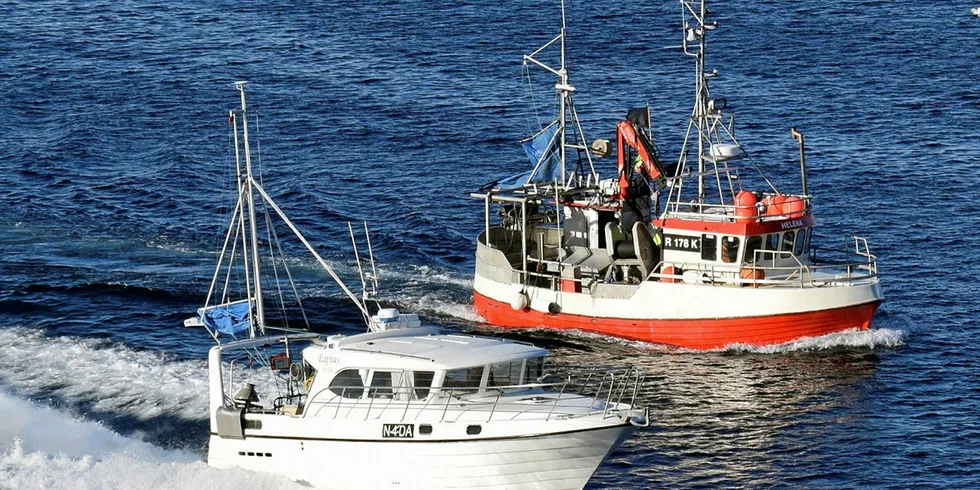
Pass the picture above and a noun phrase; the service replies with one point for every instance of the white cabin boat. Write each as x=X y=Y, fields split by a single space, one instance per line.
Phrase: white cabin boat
x=684 y=254
x=412 y=408
x=400 y=406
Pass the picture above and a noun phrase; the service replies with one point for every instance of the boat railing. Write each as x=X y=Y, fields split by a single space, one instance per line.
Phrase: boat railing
x=779 y=269
x=611 y=392
x=720 y=212
x=855 y=257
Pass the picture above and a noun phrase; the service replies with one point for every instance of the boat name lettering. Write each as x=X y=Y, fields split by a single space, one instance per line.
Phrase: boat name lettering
x=403 y=431
x=683 y=243
x=792 y=224
x=328 y=359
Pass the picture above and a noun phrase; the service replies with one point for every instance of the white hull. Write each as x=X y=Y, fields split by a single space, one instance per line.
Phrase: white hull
x=552 y=462
x=651 y=300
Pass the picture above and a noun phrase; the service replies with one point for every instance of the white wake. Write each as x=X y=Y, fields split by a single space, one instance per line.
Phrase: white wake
x=43 y=448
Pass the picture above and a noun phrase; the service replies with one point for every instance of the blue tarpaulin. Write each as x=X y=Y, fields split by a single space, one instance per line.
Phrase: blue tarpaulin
x=230 y=318
x=540 y=148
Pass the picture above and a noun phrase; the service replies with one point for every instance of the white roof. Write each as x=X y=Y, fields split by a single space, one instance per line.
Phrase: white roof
x=418 y=349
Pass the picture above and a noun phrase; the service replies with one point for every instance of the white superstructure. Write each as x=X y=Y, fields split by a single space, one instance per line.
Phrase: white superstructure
x=412 y=408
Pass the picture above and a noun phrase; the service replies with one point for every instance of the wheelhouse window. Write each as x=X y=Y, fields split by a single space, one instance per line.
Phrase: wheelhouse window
x=772 y=242
x=709 y=247
x=800 y=242
x=752 y=244
x=422 y=382
x=381 y=384
x=466 y=380
x=533 y=369
x=505 y=373
x=348 y=384
x=729 y=249
x=788 y=239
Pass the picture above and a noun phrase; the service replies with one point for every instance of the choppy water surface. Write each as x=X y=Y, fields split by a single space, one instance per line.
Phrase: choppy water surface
x=114 y=164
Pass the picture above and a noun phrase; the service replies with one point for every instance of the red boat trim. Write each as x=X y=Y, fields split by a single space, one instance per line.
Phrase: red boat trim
x=736 y=228
x=704 y=333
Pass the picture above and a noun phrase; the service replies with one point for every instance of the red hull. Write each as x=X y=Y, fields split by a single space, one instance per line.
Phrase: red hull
x=708 y=333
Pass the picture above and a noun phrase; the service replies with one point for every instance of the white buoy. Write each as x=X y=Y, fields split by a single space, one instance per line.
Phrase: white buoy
x=545 y=306
x=519 y=302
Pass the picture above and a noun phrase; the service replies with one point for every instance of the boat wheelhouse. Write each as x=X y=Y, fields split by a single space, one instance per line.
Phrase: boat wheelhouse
x=413 y=408
x=401 y=406
x=683 y=253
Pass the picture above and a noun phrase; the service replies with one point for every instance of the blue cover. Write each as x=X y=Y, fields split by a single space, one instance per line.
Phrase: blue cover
x=539 y=148
x=231 y=318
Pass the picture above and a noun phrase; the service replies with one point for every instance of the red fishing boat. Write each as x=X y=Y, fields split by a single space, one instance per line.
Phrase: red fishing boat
x=689 y=253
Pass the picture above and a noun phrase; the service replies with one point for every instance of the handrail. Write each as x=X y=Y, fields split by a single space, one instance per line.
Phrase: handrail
x=613 y=396
x=800 y=274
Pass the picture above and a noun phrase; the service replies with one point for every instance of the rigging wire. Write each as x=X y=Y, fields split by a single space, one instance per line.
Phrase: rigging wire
x=274 y=238
x=268 y=227
x=526 y=73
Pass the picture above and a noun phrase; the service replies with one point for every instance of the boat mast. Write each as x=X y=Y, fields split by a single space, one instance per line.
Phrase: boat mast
x=701 y=99
x=565 y=106
x=250 y=181
x=565 y=90
x=699 y=104
x=699 y=117
x=241 y=227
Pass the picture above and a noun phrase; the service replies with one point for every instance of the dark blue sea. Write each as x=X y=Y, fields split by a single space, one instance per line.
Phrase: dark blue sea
x=115 y=173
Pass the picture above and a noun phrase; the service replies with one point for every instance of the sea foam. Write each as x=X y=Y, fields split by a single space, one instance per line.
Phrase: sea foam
x=112 y=378
x=43 y=448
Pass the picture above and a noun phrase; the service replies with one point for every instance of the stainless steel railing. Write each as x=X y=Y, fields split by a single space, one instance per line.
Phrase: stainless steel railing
x=608 y=391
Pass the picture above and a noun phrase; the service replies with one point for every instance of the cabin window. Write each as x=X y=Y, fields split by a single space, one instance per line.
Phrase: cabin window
x=533 y=369
x=800 y=242
x=806 y=244
x=422 y=383
x=752 y=244
x=788 y=239
x=729 y=249
x=381 y=383
x=468 y=378
x=709 y=247
x=348 y=384
x=772 y=242
x=505 y=374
